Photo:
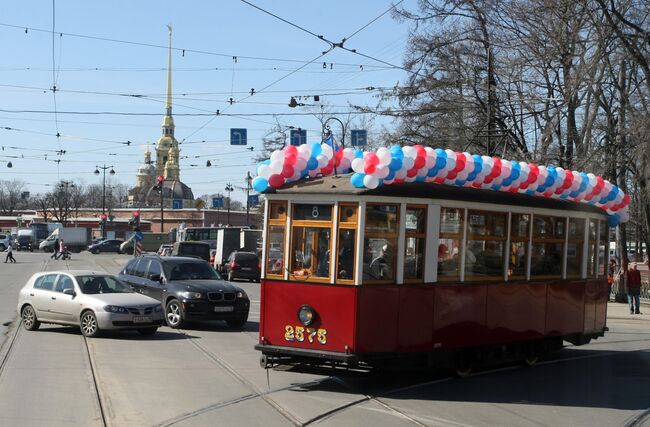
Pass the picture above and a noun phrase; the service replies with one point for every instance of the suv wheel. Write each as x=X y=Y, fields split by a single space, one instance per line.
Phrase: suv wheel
x=174 y=314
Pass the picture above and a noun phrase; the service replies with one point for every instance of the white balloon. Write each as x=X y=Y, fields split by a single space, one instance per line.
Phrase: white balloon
x=400 y=174
x=451 y=164
x=382 y=171
x=264 y=171
x=300 y=165
x=344 y=165
x=357 y=165
x=450 y=154
x=408 y=162
x=276 y=167
x=327 y=151
x=409 y=151
x=304 y=150
x=370 y=181
x=277 y=156
x=384 y=155
x=322 y=160
x=348 y=153
x=430 y=160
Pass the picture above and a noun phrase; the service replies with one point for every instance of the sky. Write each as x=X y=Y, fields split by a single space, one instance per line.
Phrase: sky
x=111 y=57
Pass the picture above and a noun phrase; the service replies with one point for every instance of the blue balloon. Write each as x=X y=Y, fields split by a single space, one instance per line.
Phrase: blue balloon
x=432 y=172
x=441 y=162
x=265 y=162
x=391 y=175
x=564 y=196
x=316 y=149
x=312 y=163
x=495 y=187
x=260 y=184
x=460 y=182
x=530 y=192
x=395 y=164
x=478 y=164
x=357 y=180
x=613 y=220
x=358 y=154
x=612 y=194
x=420 y=178
x=506 y=182
x=516 y=171
x=396 y=152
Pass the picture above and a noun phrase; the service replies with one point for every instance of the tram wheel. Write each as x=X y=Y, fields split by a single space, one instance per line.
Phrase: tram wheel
x=463 y=364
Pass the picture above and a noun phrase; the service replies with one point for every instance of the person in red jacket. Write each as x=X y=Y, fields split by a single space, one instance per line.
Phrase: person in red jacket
x=634 y=289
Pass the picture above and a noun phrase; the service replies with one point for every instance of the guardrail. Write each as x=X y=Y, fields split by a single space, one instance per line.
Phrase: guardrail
x=618 y=289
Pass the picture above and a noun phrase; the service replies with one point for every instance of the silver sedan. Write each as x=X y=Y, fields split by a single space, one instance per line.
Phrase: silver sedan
x=91 y=300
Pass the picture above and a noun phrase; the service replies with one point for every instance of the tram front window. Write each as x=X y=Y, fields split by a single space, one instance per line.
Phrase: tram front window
x=310 y=252
x=380 y=242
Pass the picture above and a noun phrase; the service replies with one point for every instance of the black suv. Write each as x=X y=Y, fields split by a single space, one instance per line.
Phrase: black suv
x=189 y=289
x=112 y=245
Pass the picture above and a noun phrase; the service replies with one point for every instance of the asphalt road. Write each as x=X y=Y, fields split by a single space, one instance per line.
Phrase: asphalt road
x=209 y=375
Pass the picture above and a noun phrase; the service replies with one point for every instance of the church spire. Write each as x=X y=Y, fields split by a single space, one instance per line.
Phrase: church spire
x=169 y=73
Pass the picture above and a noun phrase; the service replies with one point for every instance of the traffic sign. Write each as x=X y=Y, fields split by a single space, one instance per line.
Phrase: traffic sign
x=359 y=137
x=298 y=136
x=138 y=236
x=177 y=204
x=254 y=200
x=238 y=136
x=217 y=202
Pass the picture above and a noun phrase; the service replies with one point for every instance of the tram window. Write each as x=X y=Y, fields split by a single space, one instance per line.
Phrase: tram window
x=278 y=210
x=602 y=249
x=592 y=248
x=547 y=246
x=485 y=252
x=451 y=236
x=275 y=252
x=414 y=244
x=346 y=241
x=519 y=236
x=310 y=252
x=575 y=247
x=380 y=242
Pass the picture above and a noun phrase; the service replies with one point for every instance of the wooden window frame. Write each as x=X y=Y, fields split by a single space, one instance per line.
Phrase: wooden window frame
x=417 y=235
x=346 y=225
x=484 y=238
x=324 y=224
x=386 y=235
x=554 y=239
x=281 y=221
x=460 y=236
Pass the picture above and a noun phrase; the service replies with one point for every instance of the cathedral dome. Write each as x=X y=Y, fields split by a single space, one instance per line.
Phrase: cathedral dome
x=172 y=189
x=146 y=170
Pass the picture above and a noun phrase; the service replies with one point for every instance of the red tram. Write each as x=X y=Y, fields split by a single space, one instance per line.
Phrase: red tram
x=359 y=276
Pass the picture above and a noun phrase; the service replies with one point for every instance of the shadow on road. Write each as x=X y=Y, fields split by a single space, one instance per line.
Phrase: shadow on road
x=127 y=335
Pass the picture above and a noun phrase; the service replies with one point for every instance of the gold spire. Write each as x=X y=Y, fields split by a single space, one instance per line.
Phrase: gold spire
x=169 y=73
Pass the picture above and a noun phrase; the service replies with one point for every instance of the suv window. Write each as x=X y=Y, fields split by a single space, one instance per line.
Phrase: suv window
x=154 y=268
x=189 y=270
x=3 y=236
x=130 y=267
x=64 y=282
x=245 y=257
x=141 y=268
x=45 y=282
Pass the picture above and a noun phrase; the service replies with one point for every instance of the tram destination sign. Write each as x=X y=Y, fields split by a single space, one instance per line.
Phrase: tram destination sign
x=312 y=212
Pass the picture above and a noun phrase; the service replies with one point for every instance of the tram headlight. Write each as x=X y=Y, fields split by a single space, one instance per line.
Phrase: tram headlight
x=306 y=315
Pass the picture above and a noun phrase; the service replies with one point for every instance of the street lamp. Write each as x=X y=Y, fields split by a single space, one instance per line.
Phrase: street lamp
x=65 y=199
x=159 y=186
x=229 y=188
x=327 y=132
x=112 y=172
x=249 y=179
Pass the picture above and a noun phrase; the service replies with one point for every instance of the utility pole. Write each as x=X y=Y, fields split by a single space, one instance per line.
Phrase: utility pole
x=249 y=178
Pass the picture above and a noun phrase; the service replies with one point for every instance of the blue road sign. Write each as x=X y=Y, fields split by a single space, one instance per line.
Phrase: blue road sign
x=254 y=200
x=217 y=202
x=138 y=236
x=238 y=136
x=298 y=136
x=177 y=204
x=359 y=137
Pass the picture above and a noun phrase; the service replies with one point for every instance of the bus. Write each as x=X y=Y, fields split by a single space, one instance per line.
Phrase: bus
x=435 y=272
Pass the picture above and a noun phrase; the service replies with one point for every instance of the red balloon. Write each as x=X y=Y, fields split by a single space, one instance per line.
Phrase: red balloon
x=452 y=175
x=420 y=150
x=412 y=172
x=290 y=150
x=419 y=162
x=534 y=173
x=626 y=201
x=460 y=163
x=276 y=180
x=399 y=180
x=372 y=159
x=290 y=160
x=326 y=170
x=369 y=168
x=287 y=171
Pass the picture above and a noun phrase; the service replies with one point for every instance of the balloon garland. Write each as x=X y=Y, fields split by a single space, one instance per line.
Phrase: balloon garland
x=416 y=163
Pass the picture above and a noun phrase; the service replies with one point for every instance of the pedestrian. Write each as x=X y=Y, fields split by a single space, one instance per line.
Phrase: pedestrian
x=55 y=250
x=10 y=254
x=634 y=289
x=611 y=273
x=61 y=249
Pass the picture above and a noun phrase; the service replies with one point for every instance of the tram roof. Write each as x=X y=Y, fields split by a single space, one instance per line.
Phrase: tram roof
x=341 y=185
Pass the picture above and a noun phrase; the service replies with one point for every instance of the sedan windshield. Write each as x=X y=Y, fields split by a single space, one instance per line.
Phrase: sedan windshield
x=91 y=285
x=183 y=270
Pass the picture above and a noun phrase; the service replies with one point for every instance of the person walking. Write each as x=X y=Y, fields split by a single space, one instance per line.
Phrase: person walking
x=55 y=250
x=10 y=254
x=611 y=274
x=634 y=289
x=61 y=249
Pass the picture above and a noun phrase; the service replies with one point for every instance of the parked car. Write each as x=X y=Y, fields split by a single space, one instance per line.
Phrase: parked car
x=5 y=241
x=243 y=265
x=165 y=249
x=194 y=249
x=110 y=245
x=189 y=289
x=94 y=301
x=24 y=242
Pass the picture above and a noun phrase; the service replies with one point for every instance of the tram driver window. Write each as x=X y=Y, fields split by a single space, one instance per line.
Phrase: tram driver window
x=451 y=236
x=547 y=246
x=380 y=242
x=310 y=241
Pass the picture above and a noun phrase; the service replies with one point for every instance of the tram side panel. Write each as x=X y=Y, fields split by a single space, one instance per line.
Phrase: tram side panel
x=565 y=308
x=595 y=306
x=459 y=316
x=331 y=330
x=377 y=319
x=515 y=312
x=602 y=296
x=416 y=312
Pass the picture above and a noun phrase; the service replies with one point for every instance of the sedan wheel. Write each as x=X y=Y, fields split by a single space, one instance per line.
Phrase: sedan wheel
x=174 y=314
x=89 y=325
x=29 y=318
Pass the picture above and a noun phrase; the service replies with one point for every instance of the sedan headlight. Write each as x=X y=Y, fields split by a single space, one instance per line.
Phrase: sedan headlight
x=191 y=295
x=115 y=309
x=242 y=294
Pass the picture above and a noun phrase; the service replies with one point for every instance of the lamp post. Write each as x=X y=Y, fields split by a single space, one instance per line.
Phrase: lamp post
x=327 y=132
x=159 y=186
x=229 y=188
x=112 y=172
x=249 y=179
x=65 y=199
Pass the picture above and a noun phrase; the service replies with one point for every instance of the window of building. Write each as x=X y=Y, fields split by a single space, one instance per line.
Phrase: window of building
x=449 y=244
x=380 y=242
x=311 y=230
x=575 y=247
x=275 y=264
x=347 y=238
x=519 y=238
x=547 y=246
x=486 y=244
x=415 y=237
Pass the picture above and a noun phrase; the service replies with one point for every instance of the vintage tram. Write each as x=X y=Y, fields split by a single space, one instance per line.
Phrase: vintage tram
x=427 y=271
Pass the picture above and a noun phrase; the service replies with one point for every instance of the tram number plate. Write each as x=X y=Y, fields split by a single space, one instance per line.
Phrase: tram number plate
x=142 y=319
x=302 y=334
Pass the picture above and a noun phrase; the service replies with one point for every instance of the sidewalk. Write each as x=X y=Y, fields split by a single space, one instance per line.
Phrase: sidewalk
x=619 y=310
